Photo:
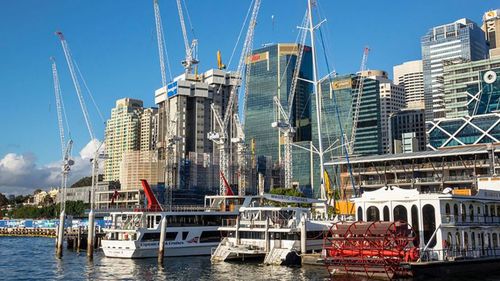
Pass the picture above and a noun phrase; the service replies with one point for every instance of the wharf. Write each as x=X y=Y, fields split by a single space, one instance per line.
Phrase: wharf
x=28 y=232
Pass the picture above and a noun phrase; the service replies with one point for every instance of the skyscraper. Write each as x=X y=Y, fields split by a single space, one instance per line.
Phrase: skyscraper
x=188 y=101
x=460 y=39
x=271 y=72
x=122 y=134
x=410 y=75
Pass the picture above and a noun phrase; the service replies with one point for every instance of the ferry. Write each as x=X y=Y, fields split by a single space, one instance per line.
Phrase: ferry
x=405 y=232
x=191 y=230
x=273 y=235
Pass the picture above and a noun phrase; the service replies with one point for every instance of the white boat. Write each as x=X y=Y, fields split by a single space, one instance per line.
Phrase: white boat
x=190 y=231
x=275 y=235
x=457 y=230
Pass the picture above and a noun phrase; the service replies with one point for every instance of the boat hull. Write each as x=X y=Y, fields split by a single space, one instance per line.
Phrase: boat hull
x=136 y=250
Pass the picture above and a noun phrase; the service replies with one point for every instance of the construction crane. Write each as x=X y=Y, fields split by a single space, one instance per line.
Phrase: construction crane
x=241 y=149
x=220 y=136
x=159 y=38
x=95 y=164
x=220 y=65
x=284 y=122
x=66 y=148
x=359 y=96
x=191 y=50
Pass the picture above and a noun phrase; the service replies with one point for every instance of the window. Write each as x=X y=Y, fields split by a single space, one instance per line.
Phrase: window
x=372 y=214
x=210 y=236
x=400 y=213
x=429 y=220
x=155 y=236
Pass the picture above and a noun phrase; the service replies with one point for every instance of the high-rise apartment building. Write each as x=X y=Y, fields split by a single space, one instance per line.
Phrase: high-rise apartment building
x=149 y=126
x=187 y=103
x=271 y=72
x=122 y=134
x=460 y=39
x=491 y=28
x=410 y=75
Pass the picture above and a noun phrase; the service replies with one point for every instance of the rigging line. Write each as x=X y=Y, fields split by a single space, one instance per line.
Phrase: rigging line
x=327 y=31
x=189 y=18
x=349 y=167
x=239 y=36
x=329 y=85
x=64 y=114
x=166 y=55
x=88 y=90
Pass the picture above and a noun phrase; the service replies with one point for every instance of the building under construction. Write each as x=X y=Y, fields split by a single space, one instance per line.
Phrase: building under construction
x=185 y=110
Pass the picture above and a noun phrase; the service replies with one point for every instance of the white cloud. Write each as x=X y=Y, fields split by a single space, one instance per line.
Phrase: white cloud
x=20 y=174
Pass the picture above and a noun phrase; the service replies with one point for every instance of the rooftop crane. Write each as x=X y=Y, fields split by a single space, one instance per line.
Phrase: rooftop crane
x=220 y=136
x=191 y=50
x=284 y=124
x=359 y=96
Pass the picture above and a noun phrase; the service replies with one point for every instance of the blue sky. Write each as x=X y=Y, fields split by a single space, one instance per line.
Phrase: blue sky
x=114 y=44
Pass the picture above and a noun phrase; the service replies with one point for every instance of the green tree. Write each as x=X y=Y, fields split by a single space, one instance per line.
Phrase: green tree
x=3 y=200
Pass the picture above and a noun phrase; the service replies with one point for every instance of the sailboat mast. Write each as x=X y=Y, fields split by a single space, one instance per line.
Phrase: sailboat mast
x=318 y=102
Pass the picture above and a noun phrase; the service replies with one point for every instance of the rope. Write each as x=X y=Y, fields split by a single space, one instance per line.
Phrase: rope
x=88 y=90
x=239 y=36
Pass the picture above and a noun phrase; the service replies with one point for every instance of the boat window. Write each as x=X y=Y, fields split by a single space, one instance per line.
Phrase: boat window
x=478 y=211
x=315 y=235
x=457 y=239
x=210 y=236
x=455 y=212
x=492 y=210
x=495 y=240
x=386 y=213
x=372 y=214
x=486 y=210
x=466 y=240
x=360 y=214
x=155 y=236
x=448 y=241
x=157 y=220
x=473 y=240
x=471 y=212
x=414 y=223
x=429 y=220
x=498 y=210
x=447 y=209
x=184 y=235
x=400 y=213
x=464 y=212
x=258 y=235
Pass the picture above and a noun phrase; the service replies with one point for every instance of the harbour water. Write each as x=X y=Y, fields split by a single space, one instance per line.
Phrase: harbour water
x=34 y=259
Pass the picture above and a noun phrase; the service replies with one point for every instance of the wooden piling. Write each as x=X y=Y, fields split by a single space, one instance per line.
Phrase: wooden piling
x=161 y=249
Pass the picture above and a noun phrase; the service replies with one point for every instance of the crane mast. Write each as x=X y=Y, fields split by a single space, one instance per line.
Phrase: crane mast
x=284 y=124
x=357 y=105
x=159 y=38
x=221 y=137
x=191 y=53
x=67 y=162
x=76 y=83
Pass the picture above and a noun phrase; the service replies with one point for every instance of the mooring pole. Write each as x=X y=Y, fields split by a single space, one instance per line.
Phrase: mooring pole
x=90 y=236
x=303 y=235
x=266 y=236
x=60 y=235
x=161 y=250
x=79 y=239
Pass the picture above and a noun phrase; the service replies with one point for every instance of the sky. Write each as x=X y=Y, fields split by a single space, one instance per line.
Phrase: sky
x=114 y=45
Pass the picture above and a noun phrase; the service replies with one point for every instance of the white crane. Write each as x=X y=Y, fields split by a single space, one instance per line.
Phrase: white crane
x=220 y=136
x=95 y=167
x=241 y=148
x=191 y=50
x=159 y=38
x=359 y=96
x=67 y=162
x=284 y=122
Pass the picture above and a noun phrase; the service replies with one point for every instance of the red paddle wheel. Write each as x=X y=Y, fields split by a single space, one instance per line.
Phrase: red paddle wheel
x=374 y=249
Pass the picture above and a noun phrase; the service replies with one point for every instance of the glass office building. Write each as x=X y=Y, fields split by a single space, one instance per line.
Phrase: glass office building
x=480 y=122
x=271 y=73
x=461 y=39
